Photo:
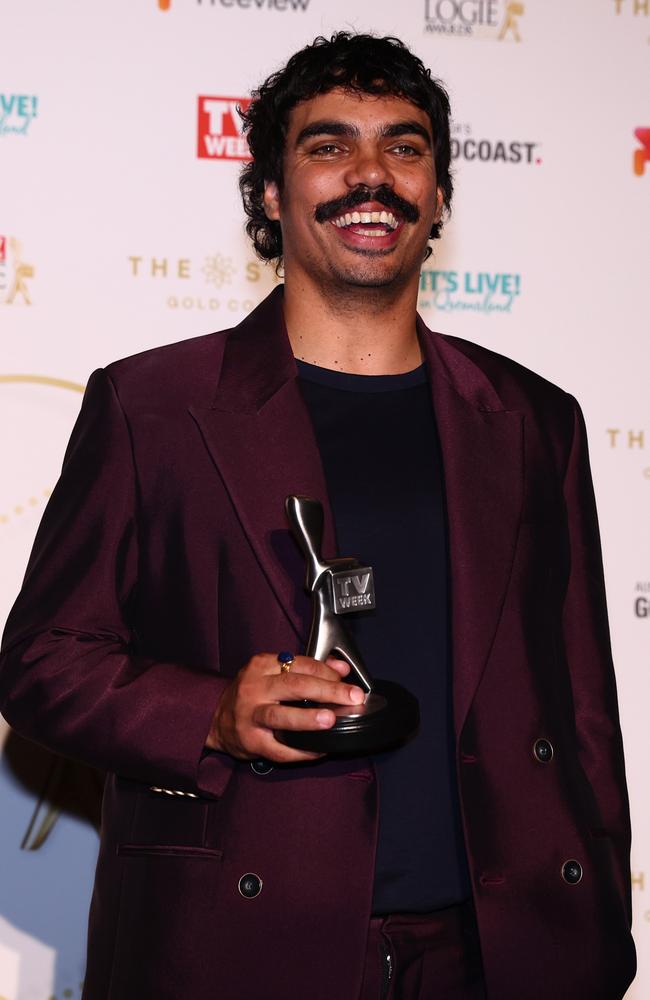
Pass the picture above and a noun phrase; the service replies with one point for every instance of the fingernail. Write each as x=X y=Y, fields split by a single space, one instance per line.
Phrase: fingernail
x=356 y=695
x=324 y=718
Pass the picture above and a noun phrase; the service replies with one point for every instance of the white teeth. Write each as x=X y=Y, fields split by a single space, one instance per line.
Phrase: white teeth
x=373 y=232
x=354 y=218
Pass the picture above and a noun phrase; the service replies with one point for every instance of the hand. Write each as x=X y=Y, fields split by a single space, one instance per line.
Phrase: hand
x=250 y=708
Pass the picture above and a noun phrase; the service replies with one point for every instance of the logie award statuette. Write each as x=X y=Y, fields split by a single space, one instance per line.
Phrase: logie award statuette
x=390 y=713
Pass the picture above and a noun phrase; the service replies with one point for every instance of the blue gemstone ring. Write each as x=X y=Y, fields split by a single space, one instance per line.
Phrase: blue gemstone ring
x=285 y=660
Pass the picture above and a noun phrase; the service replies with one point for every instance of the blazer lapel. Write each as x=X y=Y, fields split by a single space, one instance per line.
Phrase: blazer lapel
x=482 y=452
x=261 y=440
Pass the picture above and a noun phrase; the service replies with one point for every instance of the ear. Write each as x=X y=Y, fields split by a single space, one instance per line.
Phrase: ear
x=440 y=202
x=271 y=200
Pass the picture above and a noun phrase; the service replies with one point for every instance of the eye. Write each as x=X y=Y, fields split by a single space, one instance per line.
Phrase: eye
x=325 y=149
x=405 y=149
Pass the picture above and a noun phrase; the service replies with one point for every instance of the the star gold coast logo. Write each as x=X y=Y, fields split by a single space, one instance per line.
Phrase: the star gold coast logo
x=636 y=8
x=498 y=20
x=212 y=282
x=15 y=273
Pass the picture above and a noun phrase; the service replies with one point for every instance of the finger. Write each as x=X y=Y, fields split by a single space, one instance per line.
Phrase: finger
x=296 y=719
x=268 y=663
x=342 y=667
x=317 y=668
x=307 y=665
x=292 y=686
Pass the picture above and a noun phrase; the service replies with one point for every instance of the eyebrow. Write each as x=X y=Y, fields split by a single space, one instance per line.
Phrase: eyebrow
x=353 y=132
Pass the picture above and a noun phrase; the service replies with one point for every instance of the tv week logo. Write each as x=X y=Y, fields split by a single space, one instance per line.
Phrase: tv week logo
x=220 y=134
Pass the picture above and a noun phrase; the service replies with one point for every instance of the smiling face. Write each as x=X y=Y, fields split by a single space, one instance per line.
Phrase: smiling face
x=359 y=193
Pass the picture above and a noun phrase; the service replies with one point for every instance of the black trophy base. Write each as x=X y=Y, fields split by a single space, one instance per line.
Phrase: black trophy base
x=389 y=716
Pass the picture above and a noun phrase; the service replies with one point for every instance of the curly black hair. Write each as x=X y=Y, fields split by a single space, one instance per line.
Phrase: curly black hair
x=364 y=64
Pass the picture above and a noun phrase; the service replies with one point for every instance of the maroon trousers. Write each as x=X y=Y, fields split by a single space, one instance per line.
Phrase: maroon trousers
x=429 y=956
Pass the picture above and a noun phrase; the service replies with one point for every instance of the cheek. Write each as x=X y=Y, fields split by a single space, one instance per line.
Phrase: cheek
x=305 y=196
x=323 y=190
x=316 y=186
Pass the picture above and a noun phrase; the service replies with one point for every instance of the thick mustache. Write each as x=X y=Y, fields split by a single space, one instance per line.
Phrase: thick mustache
x=383 y=194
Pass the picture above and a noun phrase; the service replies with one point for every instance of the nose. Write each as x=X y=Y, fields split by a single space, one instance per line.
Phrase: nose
x=368 y=168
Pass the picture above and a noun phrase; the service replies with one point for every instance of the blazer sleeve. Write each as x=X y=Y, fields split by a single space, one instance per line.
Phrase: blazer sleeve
x=587 y=643
x=69 y=677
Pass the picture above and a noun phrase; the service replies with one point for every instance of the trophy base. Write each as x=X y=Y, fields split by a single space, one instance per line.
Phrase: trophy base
x=388 y=717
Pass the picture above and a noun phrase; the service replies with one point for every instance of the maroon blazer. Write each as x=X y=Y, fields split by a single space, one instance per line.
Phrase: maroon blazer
x=164 y=562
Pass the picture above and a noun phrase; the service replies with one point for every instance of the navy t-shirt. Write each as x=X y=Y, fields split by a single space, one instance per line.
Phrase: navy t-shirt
x=379 y=447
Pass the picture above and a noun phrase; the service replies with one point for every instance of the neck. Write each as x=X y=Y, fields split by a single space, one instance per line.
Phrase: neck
x=365 y=331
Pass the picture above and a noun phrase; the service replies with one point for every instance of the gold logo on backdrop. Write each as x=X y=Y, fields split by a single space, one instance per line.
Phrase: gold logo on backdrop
x=224 y=284
x=635 y=7
x=58 y=383
x=624 y=439
x=218 y=270
x=20 y=272
x=630 y=439
x=513 y=12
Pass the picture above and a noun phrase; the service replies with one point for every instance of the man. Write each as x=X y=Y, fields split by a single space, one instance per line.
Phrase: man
x=489 y=855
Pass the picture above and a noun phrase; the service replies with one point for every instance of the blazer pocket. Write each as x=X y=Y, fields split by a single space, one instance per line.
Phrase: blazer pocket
x=168 y=851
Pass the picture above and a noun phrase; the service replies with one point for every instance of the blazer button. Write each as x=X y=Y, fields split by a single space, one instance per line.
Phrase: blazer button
x=261 y=766
x=572 y=872
x=250 y=885
x=543 y=751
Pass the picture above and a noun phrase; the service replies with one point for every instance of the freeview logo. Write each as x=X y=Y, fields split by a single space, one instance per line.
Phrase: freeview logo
x=300 y=5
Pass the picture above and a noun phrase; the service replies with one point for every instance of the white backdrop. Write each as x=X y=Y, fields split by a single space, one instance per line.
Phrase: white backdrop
x=121 y=229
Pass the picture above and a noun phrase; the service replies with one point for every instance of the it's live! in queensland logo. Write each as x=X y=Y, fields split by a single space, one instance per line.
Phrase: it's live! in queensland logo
x=485 y=292
x=17 y=111
x=220 y=135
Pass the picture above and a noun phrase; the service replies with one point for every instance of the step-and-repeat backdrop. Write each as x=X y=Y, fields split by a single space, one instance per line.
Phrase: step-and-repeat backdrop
x=121 y=229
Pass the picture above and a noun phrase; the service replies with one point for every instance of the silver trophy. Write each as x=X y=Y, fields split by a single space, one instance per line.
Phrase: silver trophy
x=390 y=714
